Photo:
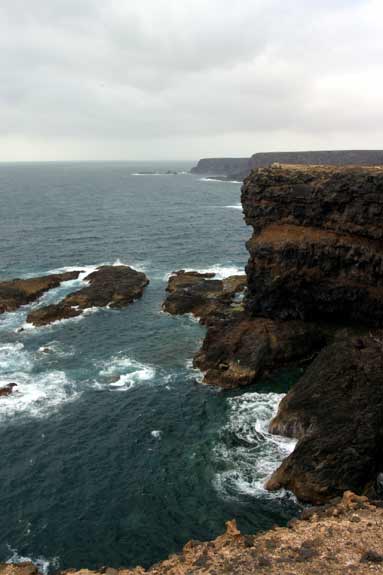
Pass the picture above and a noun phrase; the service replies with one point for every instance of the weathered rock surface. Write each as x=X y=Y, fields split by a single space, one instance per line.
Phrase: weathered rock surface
x=201 y=294
x=340 y=539
x=116 y=286
x=336 y=412
x=6 y=390
x=317 y=247
x=237 y=351
x=18 y=292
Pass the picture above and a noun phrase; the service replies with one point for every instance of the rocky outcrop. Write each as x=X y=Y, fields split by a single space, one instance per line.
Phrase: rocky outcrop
x=6 y=390
x=113 y=286
x=317 y=247
x=238 y=350
x=221 y=166
x=201 y=294
x=338 y=539
x=336 y=412
x=18 y=292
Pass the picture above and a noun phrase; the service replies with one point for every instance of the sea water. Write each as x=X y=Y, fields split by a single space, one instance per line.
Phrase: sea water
x=98 y=470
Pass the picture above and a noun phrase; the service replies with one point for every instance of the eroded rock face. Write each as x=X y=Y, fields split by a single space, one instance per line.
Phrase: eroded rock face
x=317 y=247
x=18 y=292
x=336 y=412
x=237 y=351
x=237 y=348
x=116 y=286
x=201 y=294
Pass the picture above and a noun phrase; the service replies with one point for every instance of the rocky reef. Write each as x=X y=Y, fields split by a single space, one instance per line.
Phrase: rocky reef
x=18 y=292
x=344 y=537
x=113 y=286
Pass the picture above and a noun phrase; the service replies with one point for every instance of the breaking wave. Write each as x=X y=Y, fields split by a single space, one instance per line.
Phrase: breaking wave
x=123 y=373
x=247 y=453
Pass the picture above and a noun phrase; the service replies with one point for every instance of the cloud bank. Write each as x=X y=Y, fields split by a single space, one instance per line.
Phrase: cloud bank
x=167 y=79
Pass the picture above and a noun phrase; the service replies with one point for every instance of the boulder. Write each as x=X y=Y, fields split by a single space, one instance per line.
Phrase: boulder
x=7 y=389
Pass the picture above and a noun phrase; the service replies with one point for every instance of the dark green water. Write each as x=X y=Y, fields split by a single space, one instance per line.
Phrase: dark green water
x=96 y=474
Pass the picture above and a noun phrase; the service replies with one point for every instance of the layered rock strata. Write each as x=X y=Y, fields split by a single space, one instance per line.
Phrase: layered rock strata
x=18 y=292
x=113 y=286
x=317 y=246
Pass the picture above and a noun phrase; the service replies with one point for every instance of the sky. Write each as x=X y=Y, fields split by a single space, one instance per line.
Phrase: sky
x=184 y=79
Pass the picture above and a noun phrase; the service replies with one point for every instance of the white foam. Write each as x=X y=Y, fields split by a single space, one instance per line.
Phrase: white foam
x=234 y=207
x=36 y=394
x=124 y=373
x=247 y=453
x=156 y=433
x=220 y=271
x=40 y=562
x=13 y=357
x=218 y=180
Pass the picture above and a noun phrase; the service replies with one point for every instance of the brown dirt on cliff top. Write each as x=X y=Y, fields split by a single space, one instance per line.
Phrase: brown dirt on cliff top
x=341 y=539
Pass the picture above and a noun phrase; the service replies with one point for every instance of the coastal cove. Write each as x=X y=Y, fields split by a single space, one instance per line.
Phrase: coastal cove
x=119 y=473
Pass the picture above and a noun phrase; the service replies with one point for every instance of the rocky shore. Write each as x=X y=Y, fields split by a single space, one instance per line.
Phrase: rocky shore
x=342 y=538
x=18 y=292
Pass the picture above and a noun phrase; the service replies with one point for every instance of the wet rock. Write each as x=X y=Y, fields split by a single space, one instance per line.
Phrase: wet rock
x=237 y=351
x=317 y=248
x=336 y=413
x=7 y=389
x=18 y=292
x=201 y=294
x=114 y=286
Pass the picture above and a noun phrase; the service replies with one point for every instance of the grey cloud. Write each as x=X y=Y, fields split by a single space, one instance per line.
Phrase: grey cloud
x=160 y=78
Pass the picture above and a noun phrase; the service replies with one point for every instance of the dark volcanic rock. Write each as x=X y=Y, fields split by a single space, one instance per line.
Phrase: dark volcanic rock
x=317 y=247
x=18 y=292
x=201 y=294
x=336 y=412
x=237 y=351
x=116 y=286
x=7 y=389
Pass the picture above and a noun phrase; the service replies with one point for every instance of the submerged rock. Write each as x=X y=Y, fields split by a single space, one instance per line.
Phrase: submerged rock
x=7 y=389
x=18 y=292
x=113 y=286
x=336 y=413
x=317 y=247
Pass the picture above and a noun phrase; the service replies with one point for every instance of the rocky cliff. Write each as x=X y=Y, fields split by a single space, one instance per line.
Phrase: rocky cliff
x=239 y=168
x=316 y=250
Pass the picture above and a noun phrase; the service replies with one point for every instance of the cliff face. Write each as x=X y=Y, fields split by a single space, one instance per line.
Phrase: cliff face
x=317 y=246
x=239 y=168
x=222 y=166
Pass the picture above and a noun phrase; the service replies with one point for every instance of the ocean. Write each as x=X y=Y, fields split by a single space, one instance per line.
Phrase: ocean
x=96 y=472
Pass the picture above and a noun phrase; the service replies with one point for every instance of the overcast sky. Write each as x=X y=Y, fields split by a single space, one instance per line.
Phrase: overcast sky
x=183 y=79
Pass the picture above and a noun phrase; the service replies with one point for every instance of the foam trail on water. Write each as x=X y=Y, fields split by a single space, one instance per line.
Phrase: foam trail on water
x=217 y=180
x=234 y=207
x=247 y=453
x=123 y=373
x=221 y=271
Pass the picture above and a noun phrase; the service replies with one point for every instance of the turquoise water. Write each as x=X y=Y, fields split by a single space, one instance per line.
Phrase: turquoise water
x=96 y=474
